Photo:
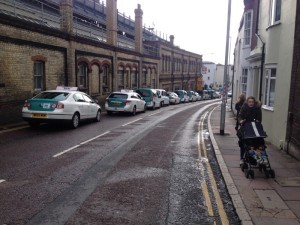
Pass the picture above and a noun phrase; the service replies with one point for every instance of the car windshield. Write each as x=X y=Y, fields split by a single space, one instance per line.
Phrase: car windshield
x=144 y=93
x=117 y=95
x=60 y=96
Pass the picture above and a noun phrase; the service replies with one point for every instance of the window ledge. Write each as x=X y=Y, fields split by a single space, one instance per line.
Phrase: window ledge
x=277 y=23
x=268 y=108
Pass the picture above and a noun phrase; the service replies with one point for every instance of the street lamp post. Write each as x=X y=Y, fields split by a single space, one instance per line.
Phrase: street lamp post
x=223 y=105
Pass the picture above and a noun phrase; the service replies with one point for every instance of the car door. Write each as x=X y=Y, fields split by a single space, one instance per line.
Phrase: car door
x=91 y=113
x=141 y=102
x=81 y=105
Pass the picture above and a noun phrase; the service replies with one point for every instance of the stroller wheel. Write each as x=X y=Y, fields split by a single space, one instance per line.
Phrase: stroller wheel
x=267 y=173
x=251 y=174
x=272 y=173
x=244 y=167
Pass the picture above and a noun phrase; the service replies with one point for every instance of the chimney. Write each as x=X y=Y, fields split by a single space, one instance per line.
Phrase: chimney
x=66 y=15
x=111 y=22
x=172 y=40
x=138 y=29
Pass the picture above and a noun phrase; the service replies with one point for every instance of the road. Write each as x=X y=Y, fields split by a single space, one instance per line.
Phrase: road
x=157 y=167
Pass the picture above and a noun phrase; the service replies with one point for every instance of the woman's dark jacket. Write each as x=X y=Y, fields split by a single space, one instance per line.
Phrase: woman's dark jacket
x=250 y=113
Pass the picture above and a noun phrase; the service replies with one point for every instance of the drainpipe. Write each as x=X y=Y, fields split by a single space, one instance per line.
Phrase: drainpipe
x=262 y=53
x=232 y=81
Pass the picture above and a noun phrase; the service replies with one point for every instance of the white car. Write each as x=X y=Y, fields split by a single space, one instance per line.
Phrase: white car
x=63 y=104
x=198 y=97
x=174 y=99
x=125 y=101
x=164 y=98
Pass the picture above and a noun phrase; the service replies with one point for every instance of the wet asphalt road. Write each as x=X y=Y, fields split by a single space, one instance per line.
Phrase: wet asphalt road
x=149 y=169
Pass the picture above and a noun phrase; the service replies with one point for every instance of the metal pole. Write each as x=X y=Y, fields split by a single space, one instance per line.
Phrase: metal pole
x=223 y=105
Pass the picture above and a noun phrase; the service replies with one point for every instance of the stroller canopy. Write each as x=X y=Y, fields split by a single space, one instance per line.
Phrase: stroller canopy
x=253 y=130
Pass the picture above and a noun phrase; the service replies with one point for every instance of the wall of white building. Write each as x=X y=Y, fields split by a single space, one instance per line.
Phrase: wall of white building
x=208 y=72
x=279 y=40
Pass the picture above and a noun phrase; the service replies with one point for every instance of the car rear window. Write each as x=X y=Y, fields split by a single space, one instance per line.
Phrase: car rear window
x=144 y=93
x=117 y=95
x=60 y=96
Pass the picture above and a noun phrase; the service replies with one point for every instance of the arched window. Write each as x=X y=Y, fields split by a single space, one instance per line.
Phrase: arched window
x=121 y=76
x=39 y=75
x=105 y=80
x=82 y=75
x=134 y=78
x=144 y=77
x=127 y=78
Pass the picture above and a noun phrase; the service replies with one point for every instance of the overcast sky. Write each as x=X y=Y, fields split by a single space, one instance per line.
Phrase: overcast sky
x=198 y=25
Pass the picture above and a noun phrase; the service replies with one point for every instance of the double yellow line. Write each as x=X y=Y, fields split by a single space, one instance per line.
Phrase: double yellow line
x=202 y=155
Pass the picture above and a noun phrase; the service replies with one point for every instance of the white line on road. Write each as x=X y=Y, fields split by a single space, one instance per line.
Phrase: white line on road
x=1 y=181
x=131 y=122
x=82 y=143
x=154 y=113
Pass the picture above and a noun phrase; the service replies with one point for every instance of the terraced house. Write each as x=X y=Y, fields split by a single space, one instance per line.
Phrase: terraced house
x=266 y=66
x=83 y=43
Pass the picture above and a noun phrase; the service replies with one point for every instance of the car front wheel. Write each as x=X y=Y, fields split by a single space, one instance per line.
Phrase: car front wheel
x=133 y=111
x=75 y=120
x=98 y=116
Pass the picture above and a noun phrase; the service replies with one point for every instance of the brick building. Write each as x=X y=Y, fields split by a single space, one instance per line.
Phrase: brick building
x=87 y=44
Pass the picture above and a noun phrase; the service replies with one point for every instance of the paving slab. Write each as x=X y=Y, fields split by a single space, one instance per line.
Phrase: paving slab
x=259 y=200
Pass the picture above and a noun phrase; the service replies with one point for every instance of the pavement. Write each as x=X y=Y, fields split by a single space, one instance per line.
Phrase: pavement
x=260 y=200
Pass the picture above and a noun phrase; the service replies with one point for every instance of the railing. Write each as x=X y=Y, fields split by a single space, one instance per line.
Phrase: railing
x=39 y=12
x=89 y=29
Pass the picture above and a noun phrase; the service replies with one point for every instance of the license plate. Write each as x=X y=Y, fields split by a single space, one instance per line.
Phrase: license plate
x=39 y=115
x=46 y=106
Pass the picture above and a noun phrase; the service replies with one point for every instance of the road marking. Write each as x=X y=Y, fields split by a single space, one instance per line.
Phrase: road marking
x=76 y=146
x=1 y=181
x=131 y=122
x=220 y=206
x=154 y=114
x=13 y=129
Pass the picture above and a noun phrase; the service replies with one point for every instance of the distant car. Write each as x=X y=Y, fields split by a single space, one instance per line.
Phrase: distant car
x=182 y=94
x=150 y=96
x=174 y=99
x=65 y=104
x=192 y=96
x=198 y=97
x=229 y=94
x=164 y=98
x=125 y=101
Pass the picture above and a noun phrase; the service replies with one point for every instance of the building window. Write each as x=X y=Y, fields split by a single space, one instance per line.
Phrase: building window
x=270 y=82
x=134 y=77
x=82 y=73
x=105 y=74
x=275 y=11
x=39 y=75
x=162 y=64
x=247 y=28
x=144 y=76
x=244 y=78
x=121 y=76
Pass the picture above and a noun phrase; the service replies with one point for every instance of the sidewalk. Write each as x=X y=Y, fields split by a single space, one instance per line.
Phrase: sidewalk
x=258 y=201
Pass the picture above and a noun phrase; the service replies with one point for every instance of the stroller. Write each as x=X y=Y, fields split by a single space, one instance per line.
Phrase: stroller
x=252 y=143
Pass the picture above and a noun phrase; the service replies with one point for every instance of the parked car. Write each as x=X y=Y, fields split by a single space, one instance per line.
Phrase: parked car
x=182 y=94
x=205 y=95
x=164 y=98
x=192 y=96
x=229 y=94
x=125 y=101
x=198 y=97
x=174 y=99
x=150 y=96
x=65 y=104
